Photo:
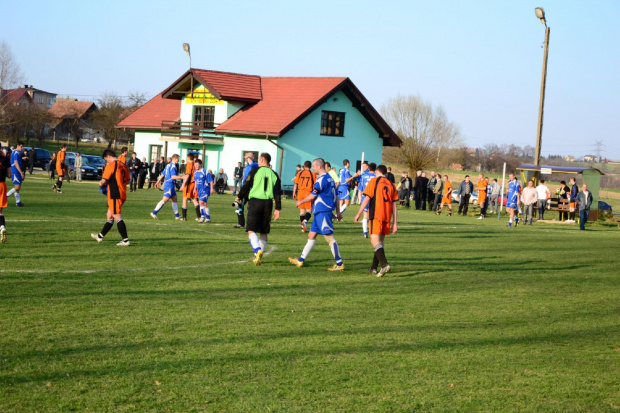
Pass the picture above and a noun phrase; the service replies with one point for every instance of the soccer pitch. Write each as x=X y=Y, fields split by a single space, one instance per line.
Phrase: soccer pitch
x=473 y=317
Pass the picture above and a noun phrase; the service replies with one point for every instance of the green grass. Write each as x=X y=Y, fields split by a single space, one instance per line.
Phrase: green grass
x=474 y=316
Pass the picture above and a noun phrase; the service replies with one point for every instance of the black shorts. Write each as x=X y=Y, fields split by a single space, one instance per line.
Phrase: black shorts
x=259 y=215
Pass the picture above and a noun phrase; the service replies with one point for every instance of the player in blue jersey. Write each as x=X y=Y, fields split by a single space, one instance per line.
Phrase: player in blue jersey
x=204 y=187
x=364 y=179
x=344 y=189
x=513 y=199
x=17 y=174
x=169 y=175
x=325 y=201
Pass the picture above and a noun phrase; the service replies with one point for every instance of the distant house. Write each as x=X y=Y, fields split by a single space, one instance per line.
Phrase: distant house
x=222 y=115
x=569 y=158
x=40 y=97
x=15 y=96
x=71 y=117
x=590 y=158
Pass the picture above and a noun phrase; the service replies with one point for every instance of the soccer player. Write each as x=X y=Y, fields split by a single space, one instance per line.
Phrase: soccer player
x=250 y=166
x=344 y=187
x=513 y=199
x=17 y=175
x=4 y=166
x=304 y=182
x=483 y=184
x=446 y=199
x=204 y=187
x=324 y=201
x=382 y=198
x=169 y=175
x=332 y=172
x=189 y=188
x=61 y=168
x=114 y=184
x=261 y=188
x=365 y=178
x=123 y=157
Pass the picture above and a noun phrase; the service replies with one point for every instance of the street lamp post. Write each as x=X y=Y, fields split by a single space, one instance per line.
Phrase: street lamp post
x=540 y=13
x=186 y=49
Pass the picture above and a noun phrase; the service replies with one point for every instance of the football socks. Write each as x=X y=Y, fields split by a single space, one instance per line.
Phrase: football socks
x=106 y=228
x=307 y=249
x=122 y=229
x=254 y=241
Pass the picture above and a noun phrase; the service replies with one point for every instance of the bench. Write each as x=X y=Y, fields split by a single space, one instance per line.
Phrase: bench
x=559 y=206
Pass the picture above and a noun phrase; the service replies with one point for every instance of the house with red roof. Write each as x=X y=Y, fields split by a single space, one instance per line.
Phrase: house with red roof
x=222 y=115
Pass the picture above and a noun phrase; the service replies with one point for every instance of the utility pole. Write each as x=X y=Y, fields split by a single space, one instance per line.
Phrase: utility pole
x=540 y=13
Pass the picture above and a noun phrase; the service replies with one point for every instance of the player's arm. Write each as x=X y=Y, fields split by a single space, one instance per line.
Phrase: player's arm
x=309 y=198
x=295 y=189
x=277 y=197
x=16 y=165
x=247 y=186
x=365 y=202
x=394 y=217
x=103 y=182
x=212 y=185
x=337 y=203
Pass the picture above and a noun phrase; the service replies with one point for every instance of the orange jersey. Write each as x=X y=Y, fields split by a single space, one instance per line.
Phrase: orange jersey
x=482 y=190
x=447 y=193
x=382 y=194
x=60 y=159
x=117 y=175
x=305 y=180
x=122 y=159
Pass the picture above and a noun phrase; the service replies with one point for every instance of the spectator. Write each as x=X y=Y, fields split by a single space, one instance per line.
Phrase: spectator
x=390 y=175
x=437 y=192
x=543 y=194
x=430 y=193
x=51 y=167
x=529 y=198
x=584 y=201
x=405 y=189
x=238 y=176
x=133 y=164
x=182 y=167
x=26 y=159
x=464 y=194
x=419 y=190
x=563 y=194
x=296 y=172
x=494 y=191
x=221 y=181
x=32 y=157
x=143 y=171
x=79 y=161
x=574 y=190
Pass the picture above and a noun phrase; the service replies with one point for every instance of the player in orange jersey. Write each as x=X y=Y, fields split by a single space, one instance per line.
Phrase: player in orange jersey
x=114 y=184
x=189 y=188
x=61 y=168
x=381 y=197
x=483 y=184
x=123 y=156
x=446 y=199
x=304 y=183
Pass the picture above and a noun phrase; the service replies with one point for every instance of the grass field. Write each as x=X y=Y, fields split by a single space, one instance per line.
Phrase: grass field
x=474 y=317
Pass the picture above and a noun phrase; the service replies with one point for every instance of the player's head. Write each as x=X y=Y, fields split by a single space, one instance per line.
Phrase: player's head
x=511 y=176
x=64 y=147
x=298 y=167
x=249 y=157
x=328 y=166
x=542 y=181
x=198 y=163
x=307 y=165
x=124 y=150
x=264 y=159
x=372 y=167
x=364 y=166
x=318 y=165
x=572 y=181
x=175 y=158
x=346 y=163
x=190 y=157
x=19 y=146
x=108 y=154
x=381 y=169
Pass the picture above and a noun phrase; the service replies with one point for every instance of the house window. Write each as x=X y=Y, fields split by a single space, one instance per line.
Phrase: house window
x=332 y=123
x=204 y=116
x=254 y=154
x=39 y=99
x=156 y=151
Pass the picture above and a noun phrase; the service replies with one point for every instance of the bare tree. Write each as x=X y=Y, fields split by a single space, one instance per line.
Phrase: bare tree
x=10 y=73
x=111 y=111
x=425 y=131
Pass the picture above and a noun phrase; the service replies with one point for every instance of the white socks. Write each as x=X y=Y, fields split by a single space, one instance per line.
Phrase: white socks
x=263 y=244
x=254 y=242
x=307 y=249
x=175 y=208
x=343 y=208
x=11 y=192
x=18 y=198
x=365 y=225
x=159 y=206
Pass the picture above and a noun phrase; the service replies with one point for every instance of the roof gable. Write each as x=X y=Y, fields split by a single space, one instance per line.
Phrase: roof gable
x=68 y=109
x=223 y=85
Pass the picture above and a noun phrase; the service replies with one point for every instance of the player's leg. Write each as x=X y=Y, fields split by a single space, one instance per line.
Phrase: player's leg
x=197 y=208
x=377 y=241
x=306 y=251
x=3 y=204
x=159 y=206
x=365 y=224
x=109 y=223
x=120 y=226
x=333 y=245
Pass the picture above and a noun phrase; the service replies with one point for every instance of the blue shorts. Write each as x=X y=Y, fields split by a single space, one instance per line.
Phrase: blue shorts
x=17 y=179
x=322 y=223
x=204 y=198
x=343 y=192
x=169 y=190
x=511 y=204
x=365 y=209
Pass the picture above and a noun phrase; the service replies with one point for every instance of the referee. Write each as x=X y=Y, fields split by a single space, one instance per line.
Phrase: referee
x=261 y=188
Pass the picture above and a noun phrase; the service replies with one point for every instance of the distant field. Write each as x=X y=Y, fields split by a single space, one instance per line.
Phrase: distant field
x=474 y=317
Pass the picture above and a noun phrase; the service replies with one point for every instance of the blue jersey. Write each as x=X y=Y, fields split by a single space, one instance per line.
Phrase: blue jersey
x=16 y=156
x=249 y=168
x=514 y=189
x=365 y=178
x=344 y=175
x=203 y=181
x=169 y=171
x=325 y=191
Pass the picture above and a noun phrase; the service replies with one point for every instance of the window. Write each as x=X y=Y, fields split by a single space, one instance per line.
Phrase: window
x=332 y=123
x=204 y=116
x=254 y=153
x=39 y=99
x=156 y=153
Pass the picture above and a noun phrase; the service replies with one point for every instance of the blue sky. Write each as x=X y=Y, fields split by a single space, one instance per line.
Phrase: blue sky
x=481 y=60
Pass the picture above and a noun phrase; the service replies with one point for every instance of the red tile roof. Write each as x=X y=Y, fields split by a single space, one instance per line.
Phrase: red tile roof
x=152 y=113
x=230 y=86
x=63 y=109
x=285 y=100
x=14 y=95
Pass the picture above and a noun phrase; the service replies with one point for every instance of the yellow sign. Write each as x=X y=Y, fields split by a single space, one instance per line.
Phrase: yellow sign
x=202 y=97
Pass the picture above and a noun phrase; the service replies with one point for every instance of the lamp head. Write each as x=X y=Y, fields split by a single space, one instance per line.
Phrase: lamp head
x=540 y=13
x=186 y=48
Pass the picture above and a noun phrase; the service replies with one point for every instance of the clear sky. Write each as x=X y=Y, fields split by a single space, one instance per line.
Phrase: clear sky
x=481 y=60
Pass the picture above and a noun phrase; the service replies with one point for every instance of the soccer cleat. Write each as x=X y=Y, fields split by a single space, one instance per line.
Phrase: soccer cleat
x=516 y=222
x=449 y=214
x=258 y=258
x=207 y=220
x=20 y=205
x=201 y=220
x=384 y=270
x=296 y=262
x=238 y=226
x=96 y=237
x=336 y=267
x=154 y=216
x=437 y=213
x=365 y=235
x=58 y=191
x=54 y=187
x=3 y=235
x=177 y=217
x=124 y=243
x=304 y=227
x=481 y=217
x=372 y=271
x=198 y=219
x=509 y=224
x=182 y=219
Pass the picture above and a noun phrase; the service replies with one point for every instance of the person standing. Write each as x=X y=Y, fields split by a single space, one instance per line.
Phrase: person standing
x=303 y=187
x=4 y=168
x=142 y=172
x=51 y=167
x=169 y=175
x=405 y=189
x=238 y=178
x=418 y=190
x=123 y=156
x=423 y=192
x=574 y=190
x=464 y=194
x=584 y=202
x=17 y=173
x=382 y=200
x=114 y=184
x=344 y=186
x=250 y=166
x=430 y=195
x=390 y=176
x=494 y=190
x=437 y=193
x=324 y=201
x=332 y=172
x=154 y=171
x=61 y=168
x=513 y=199
x=529 y=198
x=204 y=188
x=563 y=198
x=78 y=167
x=262 y=187
x=542 y=194
x=366 y=178
x=134 y=167
x=32 y=157
x=189 y=188
x=446 y=198
x=483 y=183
